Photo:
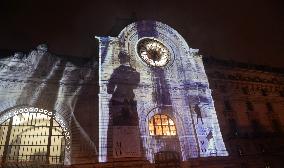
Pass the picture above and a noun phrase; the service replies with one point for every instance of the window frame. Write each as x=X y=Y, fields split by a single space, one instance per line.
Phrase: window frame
x=169 y=126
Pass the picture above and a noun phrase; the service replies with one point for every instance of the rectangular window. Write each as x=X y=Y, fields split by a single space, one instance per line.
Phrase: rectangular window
x=269 y=107
x=281 y=93
x=245 y=90
x=249 y=106
x=233 y=127
x=227 y=106
x=223 y=89
x=276 y=126
x=264 y=92
x=159 y=130
x=256 y=127
x=240 y=150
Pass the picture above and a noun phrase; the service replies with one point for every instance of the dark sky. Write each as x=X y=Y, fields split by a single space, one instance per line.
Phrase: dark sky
x=242 y=30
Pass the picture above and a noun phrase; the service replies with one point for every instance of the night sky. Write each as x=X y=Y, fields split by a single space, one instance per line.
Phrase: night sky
x=250 y=31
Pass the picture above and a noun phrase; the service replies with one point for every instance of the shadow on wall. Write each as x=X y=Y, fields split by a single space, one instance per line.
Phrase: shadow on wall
x=123 y=107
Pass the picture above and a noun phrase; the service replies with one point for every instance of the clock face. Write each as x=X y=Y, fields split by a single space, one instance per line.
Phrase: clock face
x=153 y=52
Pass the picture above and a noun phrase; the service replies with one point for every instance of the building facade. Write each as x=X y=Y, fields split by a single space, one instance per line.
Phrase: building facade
x=149 y=101
x=249 y=103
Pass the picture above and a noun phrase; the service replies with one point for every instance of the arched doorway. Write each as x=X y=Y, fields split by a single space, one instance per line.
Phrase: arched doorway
x=30 y=138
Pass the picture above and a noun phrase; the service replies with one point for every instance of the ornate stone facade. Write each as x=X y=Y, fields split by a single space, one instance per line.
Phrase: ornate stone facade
x=81 y=95
x=179 y=89
x=39 y=82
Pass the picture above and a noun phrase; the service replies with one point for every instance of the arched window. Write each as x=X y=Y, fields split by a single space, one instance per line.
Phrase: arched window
x=161 y=124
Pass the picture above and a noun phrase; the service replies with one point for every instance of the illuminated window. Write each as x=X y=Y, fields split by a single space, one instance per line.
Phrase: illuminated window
x=162 y=125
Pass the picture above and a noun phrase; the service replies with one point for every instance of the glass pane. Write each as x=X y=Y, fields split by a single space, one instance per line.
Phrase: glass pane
x=158 y=120
x=164 y=120
x=171 y=122
x=159 y=130
x=151 y=129
x=173 y=130
x=166 y=130
x=161 y=125
x=151 y=122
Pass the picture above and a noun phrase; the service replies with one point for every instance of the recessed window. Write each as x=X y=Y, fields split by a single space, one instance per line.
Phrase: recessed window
x=161 y=124
x=276 y=126
x=281 y=93
x=240 y=150
x=269 y=107
x=227 y=105
x=249 y=106
x=256 y=126
x=264 y=92
x=245 y=90
x=223 y=89
x=233 y=127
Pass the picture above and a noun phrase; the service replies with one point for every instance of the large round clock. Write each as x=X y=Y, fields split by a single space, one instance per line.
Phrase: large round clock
x=153 y=52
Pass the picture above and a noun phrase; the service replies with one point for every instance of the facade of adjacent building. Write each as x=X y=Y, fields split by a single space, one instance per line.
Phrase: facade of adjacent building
x=148 y=101
x=249 y=103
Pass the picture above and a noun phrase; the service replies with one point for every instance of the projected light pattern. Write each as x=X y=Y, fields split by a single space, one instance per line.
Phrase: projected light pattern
x=44 y=82
x=178 y=89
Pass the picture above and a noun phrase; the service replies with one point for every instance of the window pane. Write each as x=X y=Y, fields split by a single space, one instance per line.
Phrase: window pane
x=151 y=129
x=151 y=122
x=166 y=130
x=164 y=120
x=171 y=122
x=173 y=130
x=158 y=120
x=159 y=130
x=161 y=125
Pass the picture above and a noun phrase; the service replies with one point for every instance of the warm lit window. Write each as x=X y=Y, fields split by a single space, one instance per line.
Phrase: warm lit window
x=162 y=125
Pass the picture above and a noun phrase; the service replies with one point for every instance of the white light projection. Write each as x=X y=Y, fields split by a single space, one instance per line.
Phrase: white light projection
x=172 y=81
x=40 y=79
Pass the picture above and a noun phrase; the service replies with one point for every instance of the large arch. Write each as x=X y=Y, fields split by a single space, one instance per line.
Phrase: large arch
x=39 y=122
